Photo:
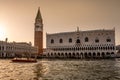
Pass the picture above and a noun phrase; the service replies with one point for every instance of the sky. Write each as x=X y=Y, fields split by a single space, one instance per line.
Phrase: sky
x=17 y=17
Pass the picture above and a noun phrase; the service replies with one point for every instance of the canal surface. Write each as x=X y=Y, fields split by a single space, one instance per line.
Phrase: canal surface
x=61 y=70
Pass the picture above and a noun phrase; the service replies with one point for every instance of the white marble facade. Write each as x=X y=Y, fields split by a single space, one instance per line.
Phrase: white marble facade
x=10 y=49
x=81 y=44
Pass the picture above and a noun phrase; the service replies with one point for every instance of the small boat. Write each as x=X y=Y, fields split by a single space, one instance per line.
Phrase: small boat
x=29 y=60
x=26 y=57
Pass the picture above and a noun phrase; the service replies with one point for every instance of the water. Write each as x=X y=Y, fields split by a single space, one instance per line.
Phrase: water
x=61 y=70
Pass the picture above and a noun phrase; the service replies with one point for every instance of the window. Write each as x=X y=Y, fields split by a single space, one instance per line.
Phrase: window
x=70 y=40
x=69 y=54
x=89 y=54
x=97 y=40
x=98 y=54
x=59 y=54
x=73 y=54
x=78 y=41
x=37 y=26
x=78 y=54
x=3 y=48
x=48 y=54
x=52 y=41
x=66 y=54
x=51 y=54
x=60 y=41
x=108 y=40
x=86 y=39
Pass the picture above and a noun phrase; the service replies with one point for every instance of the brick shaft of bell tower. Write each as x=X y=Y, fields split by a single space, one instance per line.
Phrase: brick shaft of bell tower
x=39 y=41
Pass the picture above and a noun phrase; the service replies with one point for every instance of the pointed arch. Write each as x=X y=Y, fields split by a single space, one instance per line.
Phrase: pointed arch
x=52 y=41
x=70 y=40
x=86 y=39
x=96 y=40
x=61 y=41
x=108 y=39
x=78 y=41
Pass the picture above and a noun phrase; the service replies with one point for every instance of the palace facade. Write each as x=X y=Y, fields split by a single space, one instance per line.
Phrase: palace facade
x=81 y=44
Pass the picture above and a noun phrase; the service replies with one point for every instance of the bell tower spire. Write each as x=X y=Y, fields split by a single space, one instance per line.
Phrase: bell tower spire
x=38 y=32
x=38 y=14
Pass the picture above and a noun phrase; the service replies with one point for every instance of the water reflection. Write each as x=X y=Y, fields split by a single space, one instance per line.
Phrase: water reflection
x=16 y=71
x=61 y=70
x=82 y=70
x=40 y=70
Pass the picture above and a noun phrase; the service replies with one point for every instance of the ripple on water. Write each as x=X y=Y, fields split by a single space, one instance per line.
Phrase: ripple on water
x=61 y=70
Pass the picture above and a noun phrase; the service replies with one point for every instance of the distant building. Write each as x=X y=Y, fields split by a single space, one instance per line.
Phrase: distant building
x=38 y=32
x=81 y=44
x=118 y=47
x=11 y=49
x=118 y=51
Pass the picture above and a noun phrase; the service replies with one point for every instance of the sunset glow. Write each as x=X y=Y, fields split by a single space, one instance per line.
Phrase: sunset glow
x=58 y=16
x=2 y=32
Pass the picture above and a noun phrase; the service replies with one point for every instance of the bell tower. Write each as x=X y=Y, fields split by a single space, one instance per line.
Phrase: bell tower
x=38 y=32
